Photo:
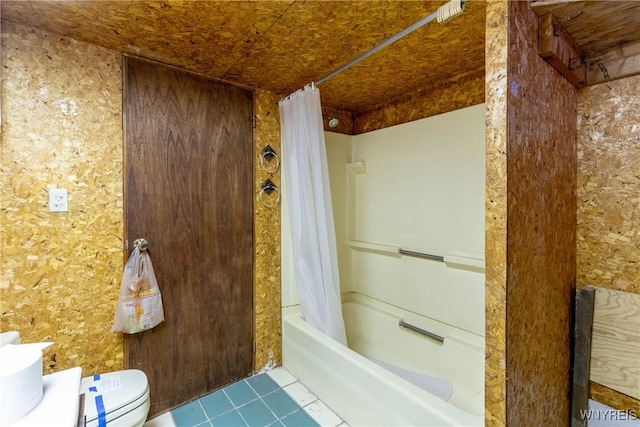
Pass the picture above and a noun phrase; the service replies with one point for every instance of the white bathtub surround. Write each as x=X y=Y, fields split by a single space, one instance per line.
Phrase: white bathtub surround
x=373 y=330
x=439 y=387
x=311 y=222
x=418 y=187
x=365 y=394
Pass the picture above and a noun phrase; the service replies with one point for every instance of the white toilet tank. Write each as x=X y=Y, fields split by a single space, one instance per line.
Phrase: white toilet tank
x=118 y=398
x=11 y=337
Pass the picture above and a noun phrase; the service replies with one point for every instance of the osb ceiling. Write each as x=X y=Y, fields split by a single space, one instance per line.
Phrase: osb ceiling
x=281 y=46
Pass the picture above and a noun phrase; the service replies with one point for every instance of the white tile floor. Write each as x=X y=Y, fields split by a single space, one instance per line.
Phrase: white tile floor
x=313 y=406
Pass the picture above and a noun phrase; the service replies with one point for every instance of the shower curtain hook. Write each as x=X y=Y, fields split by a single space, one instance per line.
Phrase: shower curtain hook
x=313 y=86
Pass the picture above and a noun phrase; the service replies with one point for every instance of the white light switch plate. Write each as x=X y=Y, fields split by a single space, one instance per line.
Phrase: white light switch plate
x=58 y=200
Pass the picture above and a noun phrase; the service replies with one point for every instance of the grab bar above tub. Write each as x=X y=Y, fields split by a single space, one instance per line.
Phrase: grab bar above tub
x=421 y=331
x=421 y=255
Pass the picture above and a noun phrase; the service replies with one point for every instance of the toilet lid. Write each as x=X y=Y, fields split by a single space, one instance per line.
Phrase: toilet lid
x=113 y=392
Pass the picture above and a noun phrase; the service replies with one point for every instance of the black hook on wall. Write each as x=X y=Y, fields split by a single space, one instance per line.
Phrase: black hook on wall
x=268 y=154
x=269 y=187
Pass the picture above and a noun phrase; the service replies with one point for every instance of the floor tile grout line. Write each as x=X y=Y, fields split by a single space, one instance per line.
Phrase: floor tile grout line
x=234 y=404
x=299 y=408
x=237 y=408
x=303 y=407
x=234 y=408
x=270 y=410
x=277 y=418
x=206 y=416
x=243 y=418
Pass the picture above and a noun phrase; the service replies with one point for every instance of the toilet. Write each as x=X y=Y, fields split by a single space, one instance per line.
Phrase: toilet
x=118 y=398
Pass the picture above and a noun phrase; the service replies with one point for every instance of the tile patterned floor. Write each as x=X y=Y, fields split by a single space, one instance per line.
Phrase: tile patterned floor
x=278 y=399
x=273 y=399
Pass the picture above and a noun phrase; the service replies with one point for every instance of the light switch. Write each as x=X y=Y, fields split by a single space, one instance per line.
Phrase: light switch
x=58 y=200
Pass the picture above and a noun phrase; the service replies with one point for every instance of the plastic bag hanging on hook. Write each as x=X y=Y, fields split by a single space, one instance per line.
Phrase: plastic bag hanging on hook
x=140 y=302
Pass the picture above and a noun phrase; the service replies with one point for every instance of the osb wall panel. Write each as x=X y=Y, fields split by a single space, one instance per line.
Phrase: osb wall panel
x=609 y=195
x=541 y=242
x=447 y=96
x=345 y=120
x=496 y=212
x=267 y=236
x=62 y=127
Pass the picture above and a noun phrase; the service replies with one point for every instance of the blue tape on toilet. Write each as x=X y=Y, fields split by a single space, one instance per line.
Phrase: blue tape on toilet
x=93 y=389
x=96 y=377
x=102 y=419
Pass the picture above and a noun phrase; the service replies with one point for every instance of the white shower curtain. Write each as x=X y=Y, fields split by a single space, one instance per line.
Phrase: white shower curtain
x=313 y=238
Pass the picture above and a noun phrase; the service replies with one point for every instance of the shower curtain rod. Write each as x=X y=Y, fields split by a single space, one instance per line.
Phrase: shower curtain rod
x=444 y=13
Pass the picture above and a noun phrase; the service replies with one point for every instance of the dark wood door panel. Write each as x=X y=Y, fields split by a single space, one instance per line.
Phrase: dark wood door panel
x=189 y=187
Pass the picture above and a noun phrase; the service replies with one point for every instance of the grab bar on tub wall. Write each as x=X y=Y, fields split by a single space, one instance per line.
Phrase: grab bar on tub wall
x=421 y=255
x=421 y=331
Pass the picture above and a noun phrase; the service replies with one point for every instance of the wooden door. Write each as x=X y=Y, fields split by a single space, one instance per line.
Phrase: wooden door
x=188 y=191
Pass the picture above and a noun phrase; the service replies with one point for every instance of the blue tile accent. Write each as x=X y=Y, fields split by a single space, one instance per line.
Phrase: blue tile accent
x=255 y=402
x=216 y=403
x=240 y=393
x=299 y=419
x=257 y=414
x=280 y=403
x=188 y=415
x=230 y=419
x=262 y=384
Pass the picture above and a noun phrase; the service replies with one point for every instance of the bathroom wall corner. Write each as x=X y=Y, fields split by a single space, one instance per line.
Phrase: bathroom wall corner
x=541 y=229
x=496 y=57
x=267 y=271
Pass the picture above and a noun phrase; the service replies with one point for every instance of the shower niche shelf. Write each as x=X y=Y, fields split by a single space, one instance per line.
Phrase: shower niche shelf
x=357 y=168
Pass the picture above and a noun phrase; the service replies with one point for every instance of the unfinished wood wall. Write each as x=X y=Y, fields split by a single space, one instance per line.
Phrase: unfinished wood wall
x=609 y=196
x=541 y=229
x=60 y=273
x=455 y=94
x=496 y=213
x=530 y=225
x=267 y=292
x=61 y=127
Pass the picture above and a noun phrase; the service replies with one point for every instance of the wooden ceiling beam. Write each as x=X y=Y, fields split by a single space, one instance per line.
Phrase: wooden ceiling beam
x=559 y=49
x=562 y=9
x=618 y=62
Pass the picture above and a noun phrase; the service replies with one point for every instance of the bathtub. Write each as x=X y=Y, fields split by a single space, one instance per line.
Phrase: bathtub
x=365 y=394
